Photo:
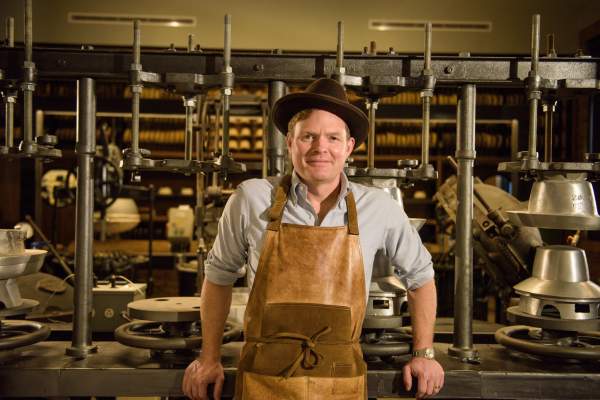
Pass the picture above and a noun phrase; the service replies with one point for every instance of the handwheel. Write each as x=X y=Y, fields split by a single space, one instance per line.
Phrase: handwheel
x=155 y=335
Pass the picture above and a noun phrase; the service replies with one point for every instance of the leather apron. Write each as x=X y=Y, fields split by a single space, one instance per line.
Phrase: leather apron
x=305 y=312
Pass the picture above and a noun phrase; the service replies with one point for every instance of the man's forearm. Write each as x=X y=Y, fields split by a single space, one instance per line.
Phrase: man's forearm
x=422 y=303
x=214 y=308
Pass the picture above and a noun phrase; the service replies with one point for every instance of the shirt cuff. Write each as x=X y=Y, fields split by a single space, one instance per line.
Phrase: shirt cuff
x=222 y=277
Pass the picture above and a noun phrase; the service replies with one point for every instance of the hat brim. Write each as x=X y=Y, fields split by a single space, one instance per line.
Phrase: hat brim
x=288 y=106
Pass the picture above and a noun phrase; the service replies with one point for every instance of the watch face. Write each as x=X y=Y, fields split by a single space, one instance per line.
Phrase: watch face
x=429 y=353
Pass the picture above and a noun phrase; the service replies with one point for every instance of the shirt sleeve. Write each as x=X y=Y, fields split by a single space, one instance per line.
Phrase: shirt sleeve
x=226 y=260
x=411 y=260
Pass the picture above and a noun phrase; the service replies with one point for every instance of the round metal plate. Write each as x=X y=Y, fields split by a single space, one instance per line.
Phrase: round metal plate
x=24 y=264
x=516 y=316
x=554 y=221
x=166 y=309
x=24 y=308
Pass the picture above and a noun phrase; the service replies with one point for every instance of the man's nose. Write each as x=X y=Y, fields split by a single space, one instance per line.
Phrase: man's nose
x=319 y=142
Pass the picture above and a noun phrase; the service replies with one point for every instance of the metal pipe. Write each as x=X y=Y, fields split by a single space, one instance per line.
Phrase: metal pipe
x=28 y=85
x=535 y=43
x=227 y=85
x=549 y=109
x=425 y=131
x=10 y=32
x=81 y=344
x=427 y=62
x=9 y=120
x=28 y=23
x=534 y=93
x=372 y=107
x=426 y=95
x=463 y=276
x=136 y=89
x=275 y=138
x=339 y=59
x=189 y=104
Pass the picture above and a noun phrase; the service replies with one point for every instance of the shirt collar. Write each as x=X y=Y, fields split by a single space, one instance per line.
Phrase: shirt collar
x=299 y=190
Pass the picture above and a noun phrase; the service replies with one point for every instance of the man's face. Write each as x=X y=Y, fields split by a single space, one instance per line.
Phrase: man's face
x=319 y=147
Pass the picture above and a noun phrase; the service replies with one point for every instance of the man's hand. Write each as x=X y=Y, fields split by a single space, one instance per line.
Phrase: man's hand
x=429 y=374
x=199 y=374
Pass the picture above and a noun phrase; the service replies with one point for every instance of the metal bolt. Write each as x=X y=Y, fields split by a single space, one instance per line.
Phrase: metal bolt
x=449 y=69
x=258 y=67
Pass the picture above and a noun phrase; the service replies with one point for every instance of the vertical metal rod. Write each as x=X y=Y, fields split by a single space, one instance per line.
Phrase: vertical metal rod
x=463 y=274
x=339 y=58
x=228 y=84
x=425 y=131
x=189 y=104
x=28 y=29
x=10 y=32
x=548 y=129
x=426 y=95
x=534 y=93
x=550 y=45
x=81 y=344
x=427 y=62
x=28 y=85
x=372 y=107
x=535 y=43
x=136 y=90
x=200 y=189
x=190 y=45
x=9 y=121
x=275 y=139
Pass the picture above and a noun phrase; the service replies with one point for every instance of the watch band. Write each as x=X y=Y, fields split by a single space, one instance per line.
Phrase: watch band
x=427 y=353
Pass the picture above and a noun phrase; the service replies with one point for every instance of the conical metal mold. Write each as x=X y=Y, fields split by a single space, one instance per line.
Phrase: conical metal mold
x=560 y=203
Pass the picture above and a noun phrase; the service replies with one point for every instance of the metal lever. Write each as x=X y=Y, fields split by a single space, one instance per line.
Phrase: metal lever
x=371 y=104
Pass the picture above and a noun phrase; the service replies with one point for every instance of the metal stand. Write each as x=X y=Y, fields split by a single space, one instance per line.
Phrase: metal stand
x=462 y=346
x=81 y=344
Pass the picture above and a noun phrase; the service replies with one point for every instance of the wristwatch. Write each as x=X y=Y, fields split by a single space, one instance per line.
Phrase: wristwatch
x=427 y=353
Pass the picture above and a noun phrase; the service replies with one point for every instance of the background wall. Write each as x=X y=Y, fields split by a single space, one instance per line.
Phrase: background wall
x=311 y=24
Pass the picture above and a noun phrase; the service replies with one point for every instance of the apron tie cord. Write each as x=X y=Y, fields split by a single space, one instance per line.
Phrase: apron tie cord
x=308 y=357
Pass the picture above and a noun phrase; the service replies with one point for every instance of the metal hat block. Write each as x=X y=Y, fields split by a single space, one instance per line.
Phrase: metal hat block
x=561 y=273
x=559 y=290
x=560 y=203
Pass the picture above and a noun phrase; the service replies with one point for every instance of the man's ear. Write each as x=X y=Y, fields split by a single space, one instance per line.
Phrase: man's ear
x=350 y=146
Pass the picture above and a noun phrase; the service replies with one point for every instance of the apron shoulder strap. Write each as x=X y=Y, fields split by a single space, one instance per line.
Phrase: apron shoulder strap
x=276 y=210
x=352 y=214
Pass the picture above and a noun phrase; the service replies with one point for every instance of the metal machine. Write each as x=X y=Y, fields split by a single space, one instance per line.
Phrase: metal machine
x=558 y=303
x=125 y=370
x=17 y=261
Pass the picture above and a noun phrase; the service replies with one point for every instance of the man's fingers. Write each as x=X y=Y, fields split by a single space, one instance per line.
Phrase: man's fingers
x=421 y=385
x=407 y=376
x=218 y=388
x=430 y=386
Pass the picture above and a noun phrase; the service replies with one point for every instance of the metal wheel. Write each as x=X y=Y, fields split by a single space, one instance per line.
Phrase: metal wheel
x=386 y=344
x=168 y=336
x=547 y=343
x=108 y=181
x=16 y=333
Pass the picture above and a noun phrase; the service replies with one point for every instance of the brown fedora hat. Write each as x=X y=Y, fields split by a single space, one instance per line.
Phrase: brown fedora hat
x=324 y=94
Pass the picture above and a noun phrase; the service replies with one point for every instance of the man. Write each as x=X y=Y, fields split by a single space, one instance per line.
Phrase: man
x=307 y=243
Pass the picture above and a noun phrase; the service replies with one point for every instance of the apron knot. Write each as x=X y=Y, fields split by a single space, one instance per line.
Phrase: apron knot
x=308 y=357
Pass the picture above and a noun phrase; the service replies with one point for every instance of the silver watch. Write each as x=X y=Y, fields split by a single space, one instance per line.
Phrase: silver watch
x=427 y=353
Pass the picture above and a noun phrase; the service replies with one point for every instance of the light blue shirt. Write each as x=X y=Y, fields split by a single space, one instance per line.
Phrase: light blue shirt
x=382 y=223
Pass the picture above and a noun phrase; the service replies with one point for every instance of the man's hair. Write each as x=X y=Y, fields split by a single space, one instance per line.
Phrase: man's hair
x=304 y=114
